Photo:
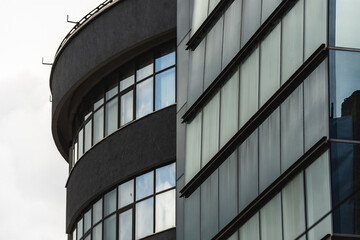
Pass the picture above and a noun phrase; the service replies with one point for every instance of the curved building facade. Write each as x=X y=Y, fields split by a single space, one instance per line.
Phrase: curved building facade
x=113 y=85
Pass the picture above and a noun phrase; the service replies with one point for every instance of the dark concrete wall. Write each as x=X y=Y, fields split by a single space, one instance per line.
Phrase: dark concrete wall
x=127 y=28
x=141 y=146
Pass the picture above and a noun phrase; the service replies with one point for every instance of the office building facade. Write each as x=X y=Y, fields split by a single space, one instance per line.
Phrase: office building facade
x=267 y=119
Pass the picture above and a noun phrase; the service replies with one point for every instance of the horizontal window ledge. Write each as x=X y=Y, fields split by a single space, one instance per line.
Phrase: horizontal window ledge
x=304 y=161
x=257 y=119
x=244 y=52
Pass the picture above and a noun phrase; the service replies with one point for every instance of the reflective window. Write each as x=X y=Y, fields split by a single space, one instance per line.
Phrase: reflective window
x=98 y=125
x=270 y=217
x=110 y=202
x=88 y=136
x=125 y=225
x=165 y=211
x=97 y=211
x=250 y=19
x=97 y=232
x=165 y=61
x=144 y=97
x=165 y=177
x=144 y=185
x=87 y=221
x=110 y=228
x=126 y=193
x=145 y=67
x=111 y=116
x=165 y=89
x=127 y=102
x=144 y=222
x=127 y=82
x=79 y=229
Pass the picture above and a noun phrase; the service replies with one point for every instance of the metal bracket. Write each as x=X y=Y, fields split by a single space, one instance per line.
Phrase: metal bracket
x=45 y=63
x=69 y=21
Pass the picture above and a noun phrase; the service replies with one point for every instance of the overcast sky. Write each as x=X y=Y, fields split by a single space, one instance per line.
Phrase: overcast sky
x=32 y=172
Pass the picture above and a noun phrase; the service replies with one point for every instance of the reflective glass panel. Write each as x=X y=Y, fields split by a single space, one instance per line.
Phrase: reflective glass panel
x=125 y=225
x=199 y=14
x=110 y=228
x=196 y=77
x=97 y=232
x=212 y=5
x=165 y=89
x=126 y=193
x=88 y=136
x=111 y=116
x=270 y=216
x=165 y=211
x=127 y=82
x=88 y=237
x=268 y=6
x=321 y=229
x=144 y=72
x=193 y=147
x=144 y=185
x=112 y=92
x=81 y=143
x=87 y=221
x=79 y=229
x=98 y=103
x=127 y=102
x=98 y=125
x=74 y=234
x=250 y=230
x=75 y=153
x=165 y=177
x=250 y=20
x=164 y=61
x=192 y=216
x=144 y=220
x=97 y=211
x=144 y=97
x=110 y=202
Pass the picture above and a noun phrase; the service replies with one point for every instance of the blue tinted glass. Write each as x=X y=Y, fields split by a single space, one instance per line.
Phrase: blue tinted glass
x=144 y=219
x=144 y=185
x=165 y=177
x=144 y=97
x=165 y=61
x=165 y=89
x=110 y=228
x=110 y=202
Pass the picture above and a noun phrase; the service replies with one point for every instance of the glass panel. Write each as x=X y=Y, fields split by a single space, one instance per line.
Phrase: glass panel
x=229 y=109
x=321 y=229
x=316 y=106
x=127 y=103
x=294 y=208
x=212 y=5
x=125 y=225
x=87 y=221
x=270 y=217
x=249 y=87
x=164 y=61
x=75 y=153
x=318 y=189
x=165 y=177
x=144 y=220
x=126 y=193
x=268 y=6
x=292 y=129
x=315 y=25
x=192 y=216
x=99 y=125
x=165 y=211
x=270 y=65
x=110 y=228
x=145 y=69
x=97 y=211
x=165 y=89
x=144 y=185
x=88 y=237
x=112 y=92
x=144 y=97
x=193 y=147
x=234 y=236
x=111 y=117
x=74 y=234
x=98 y=103
x=81 y=143
x=97 y=232
x=79 y=229
x=347 y=28
x=232 y=28
x=269 y=150
x=199 y=14
x=250 y=20
x=228 y=190
x=209 y=206
x=248 y=170
x=292 y=41
x=210 y=134
x=213 y=53
x=250 y=230
x=344 y=94
x=127 y=82
x=110 y=202
x=196 y=77
x=87 y=116
x=88 y=136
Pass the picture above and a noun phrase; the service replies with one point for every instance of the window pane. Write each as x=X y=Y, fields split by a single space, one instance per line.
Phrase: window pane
x=232 y=27
x=251 y=19
x=88 y=237
x=321 y=229
x=250 y=230
x=79 y=229
x=75 y=153
x=270 y=216
x=145 y=71
x=196 y=77
x=144 y=220
x=144 y=98
x=81 y=143
x=268 y=6
x=126 y=193
x=144 y=185
x=165 y=89
x=127 y=82
x=269 y=150
x=210 y=134
x=165 y=211
x=248 y=170
x=112 y=92
x=127 y=102
x=192 y=216
x=110 y=228
x=111 y=117
x=229 y=109
x=98 y=103
x=87 y=221
x=270 y=65
x=199 y=14
x=292 y=42
x=88 y=136
x=193 y=147
x=165 y=177
x=97 y=211
x=110 y=202
x=293 y=208
x=125 y=225
x=249 y=87
x=97 y=232
x=164 y=61
x=74 y=234
x=98 y=125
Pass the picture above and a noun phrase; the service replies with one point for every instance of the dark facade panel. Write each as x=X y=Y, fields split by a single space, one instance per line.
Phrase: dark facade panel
x=124 y=30
x=166 y=235
x=141 y=146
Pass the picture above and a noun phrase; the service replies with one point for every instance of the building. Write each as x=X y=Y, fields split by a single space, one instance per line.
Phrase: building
x=267 y=119
x=114 y=120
